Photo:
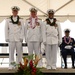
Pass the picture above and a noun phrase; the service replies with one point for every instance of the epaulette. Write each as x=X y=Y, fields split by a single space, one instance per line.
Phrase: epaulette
x=47 y=19
x=8 y=17
x=20 y=17
x=39 y=18
x=44 y=21
x=58 y=20
x=27 y=19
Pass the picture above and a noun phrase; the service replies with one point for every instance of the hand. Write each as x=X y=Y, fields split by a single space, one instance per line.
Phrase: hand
x=44 y=43
x=26 y=41
x=7 y=40
x=59 y=43
x=21 y=40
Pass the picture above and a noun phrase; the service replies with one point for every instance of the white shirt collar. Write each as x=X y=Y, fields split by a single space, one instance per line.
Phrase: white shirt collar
x=14 y=18
x=51 y=20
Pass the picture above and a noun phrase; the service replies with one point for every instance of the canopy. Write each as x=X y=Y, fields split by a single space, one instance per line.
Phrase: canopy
x=64 y=8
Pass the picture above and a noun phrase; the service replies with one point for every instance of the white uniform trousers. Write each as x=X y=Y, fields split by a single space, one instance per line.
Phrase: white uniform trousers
x=51 y=55
x=12 y=47
x=35 y=46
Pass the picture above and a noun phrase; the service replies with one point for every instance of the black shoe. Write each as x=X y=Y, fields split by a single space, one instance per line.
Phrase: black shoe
x=73 y=67
x=65 y=67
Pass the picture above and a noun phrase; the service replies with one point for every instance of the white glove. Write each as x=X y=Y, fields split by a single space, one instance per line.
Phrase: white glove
x=44 y=43
x=21 y=40
x=26 y=41
x=68 y=47
x=59 y=43
x=7 y=40
x=42 y=48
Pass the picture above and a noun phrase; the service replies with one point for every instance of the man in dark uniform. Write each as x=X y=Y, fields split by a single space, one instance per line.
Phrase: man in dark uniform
x=67 y=47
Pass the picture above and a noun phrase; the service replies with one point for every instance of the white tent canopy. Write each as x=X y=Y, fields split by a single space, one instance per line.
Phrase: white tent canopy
x=64 y=8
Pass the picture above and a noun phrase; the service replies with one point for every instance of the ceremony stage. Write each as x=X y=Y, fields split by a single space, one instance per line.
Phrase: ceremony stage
x=59 y=71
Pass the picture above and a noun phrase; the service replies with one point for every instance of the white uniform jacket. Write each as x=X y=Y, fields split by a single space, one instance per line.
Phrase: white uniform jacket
x=14 y=32
x=53 y=34
x=37 y=34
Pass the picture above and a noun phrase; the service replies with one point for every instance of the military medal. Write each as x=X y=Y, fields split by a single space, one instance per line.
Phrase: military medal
x=19 y=23
x=37 y=24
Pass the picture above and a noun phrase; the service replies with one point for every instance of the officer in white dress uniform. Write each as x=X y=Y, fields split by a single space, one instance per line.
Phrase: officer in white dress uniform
x=53 y=39
x=34 y=33
x=14 y=33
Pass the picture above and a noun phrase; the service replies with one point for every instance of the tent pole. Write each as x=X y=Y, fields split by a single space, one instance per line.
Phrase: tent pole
x=35 y=7
x=64 y=5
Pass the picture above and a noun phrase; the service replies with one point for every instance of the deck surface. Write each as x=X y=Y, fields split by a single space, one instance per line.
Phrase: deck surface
x=58 y=70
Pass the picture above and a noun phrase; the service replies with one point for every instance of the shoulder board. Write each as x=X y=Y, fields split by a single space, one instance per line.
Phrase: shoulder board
x=55 y=19
x=39 y=18
x=44 y=21
x=58 y=20
x=9 y=17
x=47 y=19
x=27 y=19
x=21 y=18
